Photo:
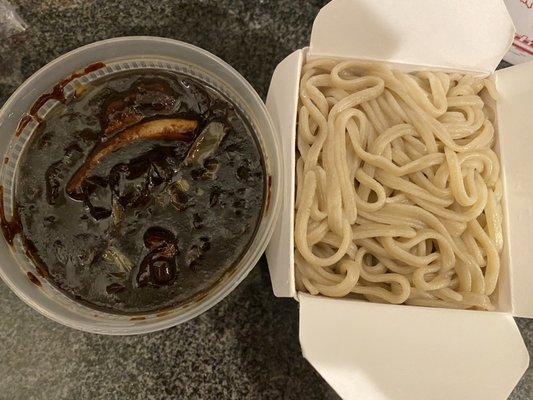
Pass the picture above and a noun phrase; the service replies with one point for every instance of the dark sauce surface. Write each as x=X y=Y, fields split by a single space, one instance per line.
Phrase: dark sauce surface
x=154 y=223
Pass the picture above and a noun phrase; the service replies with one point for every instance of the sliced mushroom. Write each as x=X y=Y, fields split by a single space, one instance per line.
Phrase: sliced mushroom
x=162 y=129
x=127 y=119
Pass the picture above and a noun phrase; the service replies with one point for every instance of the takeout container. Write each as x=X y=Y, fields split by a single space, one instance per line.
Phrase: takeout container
x=379 y=351
x=120 y=54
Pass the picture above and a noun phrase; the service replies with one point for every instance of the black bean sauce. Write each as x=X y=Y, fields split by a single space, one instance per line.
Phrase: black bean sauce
x=141 y=192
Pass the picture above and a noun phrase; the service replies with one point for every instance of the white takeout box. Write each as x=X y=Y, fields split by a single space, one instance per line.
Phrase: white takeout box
x=378 y=351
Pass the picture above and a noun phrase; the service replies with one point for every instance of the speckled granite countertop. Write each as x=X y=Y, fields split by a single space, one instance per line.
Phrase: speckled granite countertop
x=246 y=347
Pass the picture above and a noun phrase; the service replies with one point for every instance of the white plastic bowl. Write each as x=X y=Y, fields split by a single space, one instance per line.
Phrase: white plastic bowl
x=143 y=52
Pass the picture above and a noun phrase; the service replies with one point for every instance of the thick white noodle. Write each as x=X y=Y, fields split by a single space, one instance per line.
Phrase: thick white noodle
x=398 y=192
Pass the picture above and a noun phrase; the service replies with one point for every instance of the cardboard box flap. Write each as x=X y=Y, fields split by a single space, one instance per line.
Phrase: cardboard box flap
x=515 y=132
x=282 y=103
x=388 y=352
x=468 y=35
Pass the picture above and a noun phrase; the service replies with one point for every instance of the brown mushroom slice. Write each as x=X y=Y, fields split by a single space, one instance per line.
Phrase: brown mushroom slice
x=144 y=101
x=161 y=129
x=127 y=119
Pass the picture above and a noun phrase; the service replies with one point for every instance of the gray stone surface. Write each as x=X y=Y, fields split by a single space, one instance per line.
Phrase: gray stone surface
x=244 y=348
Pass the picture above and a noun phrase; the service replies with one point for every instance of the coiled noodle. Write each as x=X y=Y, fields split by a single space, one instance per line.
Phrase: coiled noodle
x=398 y=190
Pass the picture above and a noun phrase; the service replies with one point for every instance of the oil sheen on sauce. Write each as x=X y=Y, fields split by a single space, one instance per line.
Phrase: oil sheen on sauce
x=139 y=193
